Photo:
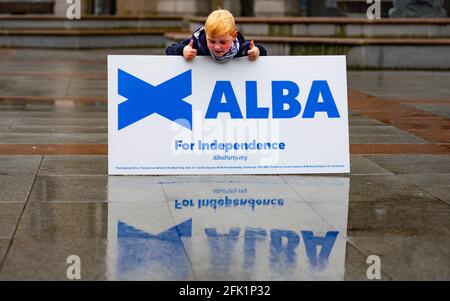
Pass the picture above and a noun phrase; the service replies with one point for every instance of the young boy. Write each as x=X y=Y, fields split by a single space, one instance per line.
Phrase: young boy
x=219 y=39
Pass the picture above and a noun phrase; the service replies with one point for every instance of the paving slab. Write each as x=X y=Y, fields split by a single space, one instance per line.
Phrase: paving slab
x=74 y=165
x=15 y=187
x=410 y=164
x=18 y=164
x=437 y=185
x=70 y=189
x=9 y=219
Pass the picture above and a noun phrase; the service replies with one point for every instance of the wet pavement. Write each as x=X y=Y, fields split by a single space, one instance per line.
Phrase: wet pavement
x=57 y=200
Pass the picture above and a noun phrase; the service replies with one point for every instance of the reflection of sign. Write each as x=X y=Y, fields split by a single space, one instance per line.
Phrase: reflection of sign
x=303 y=239
x=138 y=249
x=283 y=245
x=282 y=115
x=227 y=202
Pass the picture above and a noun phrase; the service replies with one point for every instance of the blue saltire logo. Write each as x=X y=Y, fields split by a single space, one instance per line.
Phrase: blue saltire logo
x=144 y=99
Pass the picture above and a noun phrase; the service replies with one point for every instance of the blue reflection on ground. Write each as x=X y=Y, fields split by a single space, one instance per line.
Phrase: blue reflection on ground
x=291 y=240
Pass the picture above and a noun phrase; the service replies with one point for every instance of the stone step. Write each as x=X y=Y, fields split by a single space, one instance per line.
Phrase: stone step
x=89 y=22
x=89 y=31
x=338 y=26
x=178 y=36
x=83 y=38
x=47 y=31
x=362 y=53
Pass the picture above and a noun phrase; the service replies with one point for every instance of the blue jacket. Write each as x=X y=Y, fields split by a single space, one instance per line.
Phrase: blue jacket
x=199 y=37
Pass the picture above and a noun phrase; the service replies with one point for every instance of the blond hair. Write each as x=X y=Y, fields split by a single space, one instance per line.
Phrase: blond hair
x=219 y=23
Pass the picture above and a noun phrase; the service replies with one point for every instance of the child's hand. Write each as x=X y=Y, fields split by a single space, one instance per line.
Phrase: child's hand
x=188 y=52
x=253 y=53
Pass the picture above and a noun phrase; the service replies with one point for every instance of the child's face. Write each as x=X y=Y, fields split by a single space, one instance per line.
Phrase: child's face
x=220 y=45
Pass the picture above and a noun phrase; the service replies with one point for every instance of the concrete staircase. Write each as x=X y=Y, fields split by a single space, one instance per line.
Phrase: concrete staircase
x=377 y=44
x=339 y=27
x=89 y=32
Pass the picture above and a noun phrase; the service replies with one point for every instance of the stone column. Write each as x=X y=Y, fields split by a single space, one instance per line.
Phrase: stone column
x=136 y=7
x=233 y=6
x=277 y=8
x=247 y=8
x=357 y=8
x=418 y=9
x=177 y=7
x=103 y=7
x=60 y=8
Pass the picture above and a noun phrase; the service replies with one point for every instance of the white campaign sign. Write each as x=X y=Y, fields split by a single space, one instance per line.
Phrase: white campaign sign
x=274 y=115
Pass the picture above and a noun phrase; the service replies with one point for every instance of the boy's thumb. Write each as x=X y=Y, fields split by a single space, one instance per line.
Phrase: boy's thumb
x=252 y=44
x=191 y=43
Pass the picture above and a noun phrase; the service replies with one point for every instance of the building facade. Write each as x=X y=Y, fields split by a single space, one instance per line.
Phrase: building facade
x=174 y=7
x=258 y=8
